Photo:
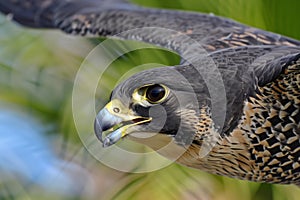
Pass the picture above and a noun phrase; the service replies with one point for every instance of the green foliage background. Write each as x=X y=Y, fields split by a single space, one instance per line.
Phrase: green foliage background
x=37 y=70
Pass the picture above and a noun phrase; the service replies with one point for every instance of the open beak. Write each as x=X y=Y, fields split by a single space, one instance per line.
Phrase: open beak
x=115 y=121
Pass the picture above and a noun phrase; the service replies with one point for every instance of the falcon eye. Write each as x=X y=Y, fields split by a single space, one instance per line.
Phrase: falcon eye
x=155 y=93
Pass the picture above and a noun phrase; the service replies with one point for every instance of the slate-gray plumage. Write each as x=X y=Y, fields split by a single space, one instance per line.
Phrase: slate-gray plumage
x=260 y=71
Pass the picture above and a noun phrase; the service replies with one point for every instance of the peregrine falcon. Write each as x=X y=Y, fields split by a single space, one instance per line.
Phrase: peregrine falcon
x=254 y=134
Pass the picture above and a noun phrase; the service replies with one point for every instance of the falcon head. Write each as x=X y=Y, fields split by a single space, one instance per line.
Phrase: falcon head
x=162 y=101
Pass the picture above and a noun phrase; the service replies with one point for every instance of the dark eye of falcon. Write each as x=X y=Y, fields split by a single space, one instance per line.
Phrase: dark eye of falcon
x=155 y=93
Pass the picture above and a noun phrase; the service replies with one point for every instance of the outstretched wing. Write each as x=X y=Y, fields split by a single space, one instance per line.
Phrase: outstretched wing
x=111 y=17
x=268 y=74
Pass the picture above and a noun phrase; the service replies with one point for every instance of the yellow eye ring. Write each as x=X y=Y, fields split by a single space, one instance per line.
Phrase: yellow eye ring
x=150 y=94
x=155 y=93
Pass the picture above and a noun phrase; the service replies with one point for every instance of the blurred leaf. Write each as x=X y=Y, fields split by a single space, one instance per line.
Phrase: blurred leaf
x=274 y=15
x=37 y=70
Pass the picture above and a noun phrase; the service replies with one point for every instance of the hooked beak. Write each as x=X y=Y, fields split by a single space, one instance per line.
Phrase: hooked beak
x=115 y=121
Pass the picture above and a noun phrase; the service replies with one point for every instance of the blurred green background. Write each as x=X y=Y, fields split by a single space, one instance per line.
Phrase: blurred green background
x=37 y=70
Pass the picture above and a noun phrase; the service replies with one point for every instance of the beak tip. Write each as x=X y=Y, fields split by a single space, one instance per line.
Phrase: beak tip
x=106 y=142
x=98 y=130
